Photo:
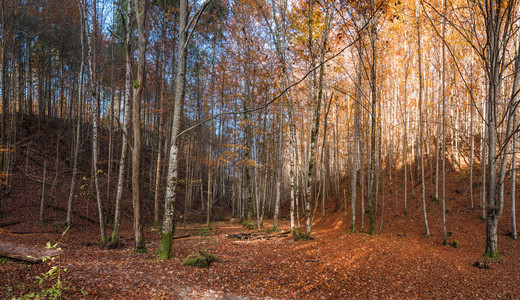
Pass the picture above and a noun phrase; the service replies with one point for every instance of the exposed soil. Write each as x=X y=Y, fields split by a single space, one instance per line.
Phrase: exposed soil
x=397 y=262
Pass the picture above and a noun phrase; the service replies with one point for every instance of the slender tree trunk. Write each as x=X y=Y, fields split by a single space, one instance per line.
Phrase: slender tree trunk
x=5 y=100
x=483 y=159
x=78 y=132
x=513 y=186
x=42 y=202
x=443 y=152
x=336 y=163
x=355 y=147
x=405 y=130
x=165 y=245
x=279 y=170
x=124 y=130
x=437 y=147
x=371 y=182
x=161 y=119
x=78 y=135
x=141 y=9
x=91 y=57
x=421 y=134
x=111 y=112
x=316 y=114
x=210 y=182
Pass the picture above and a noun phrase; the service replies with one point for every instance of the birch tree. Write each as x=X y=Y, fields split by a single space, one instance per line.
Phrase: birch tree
x=185 y=30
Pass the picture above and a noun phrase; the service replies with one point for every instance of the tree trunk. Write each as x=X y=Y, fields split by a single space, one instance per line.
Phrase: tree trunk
x=141 y=10
x=165 y=245
x=5 y=100
x=42 y=202
x=443 y=152
x=355 y=147
x=316 y=113
x=161 y=119
x=405 y=130
x=279 y=170
x=373 y=70
x=78 y=136
x=421 y=135
x=93 y=81
x=124 y=131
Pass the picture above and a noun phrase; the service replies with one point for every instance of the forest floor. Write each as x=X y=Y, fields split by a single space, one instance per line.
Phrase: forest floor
x=399 y=261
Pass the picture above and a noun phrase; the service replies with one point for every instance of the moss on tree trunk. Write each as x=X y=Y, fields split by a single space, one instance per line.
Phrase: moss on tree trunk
x=165 y=246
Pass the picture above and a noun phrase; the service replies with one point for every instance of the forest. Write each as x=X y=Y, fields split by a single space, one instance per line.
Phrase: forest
x=229 y=149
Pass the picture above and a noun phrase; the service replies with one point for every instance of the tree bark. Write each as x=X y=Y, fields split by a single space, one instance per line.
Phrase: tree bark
x=124 y=130
x=141 y=7
x=91 y=57
x=78 y=134
x=165 y=245
x=421 y=134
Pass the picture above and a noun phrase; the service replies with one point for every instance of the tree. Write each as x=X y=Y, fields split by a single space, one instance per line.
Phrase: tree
x=5 y=101
x=316 y=102
x=499 y=20
x=114 y=242
x=78 y=134
x=421 y=136
x=185 y=31
x=141 y=7
x=91 y=58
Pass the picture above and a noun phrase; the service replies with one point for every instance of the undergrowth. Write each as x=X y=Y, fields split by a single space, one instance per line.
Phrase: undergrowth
x=49 y=284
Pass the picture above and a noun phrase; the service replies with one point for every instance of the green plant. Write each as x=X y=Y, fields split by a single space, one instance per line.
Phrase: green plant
x=53 y=277
x=455 y=244
x=201 y=260
x=303 y=236
x=203 y=231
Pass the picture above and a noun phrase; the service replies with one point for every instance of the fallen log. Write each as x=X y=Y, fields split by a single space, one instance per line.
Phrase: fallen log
x=26 y=253
x=10 y=223
x=257 y=235
x=180 y=237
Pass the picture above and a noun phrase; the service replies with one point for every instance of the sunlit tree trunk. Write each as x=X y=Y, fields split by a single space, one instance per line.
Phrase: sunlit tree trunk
x=421 y=134
x=443 y=152
x=316 y=113
x=279 y=170
x=471 y=136
x=500 y=27
x=355 y=147
x=513 y=186
x=405 y=128
x=373 y=124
